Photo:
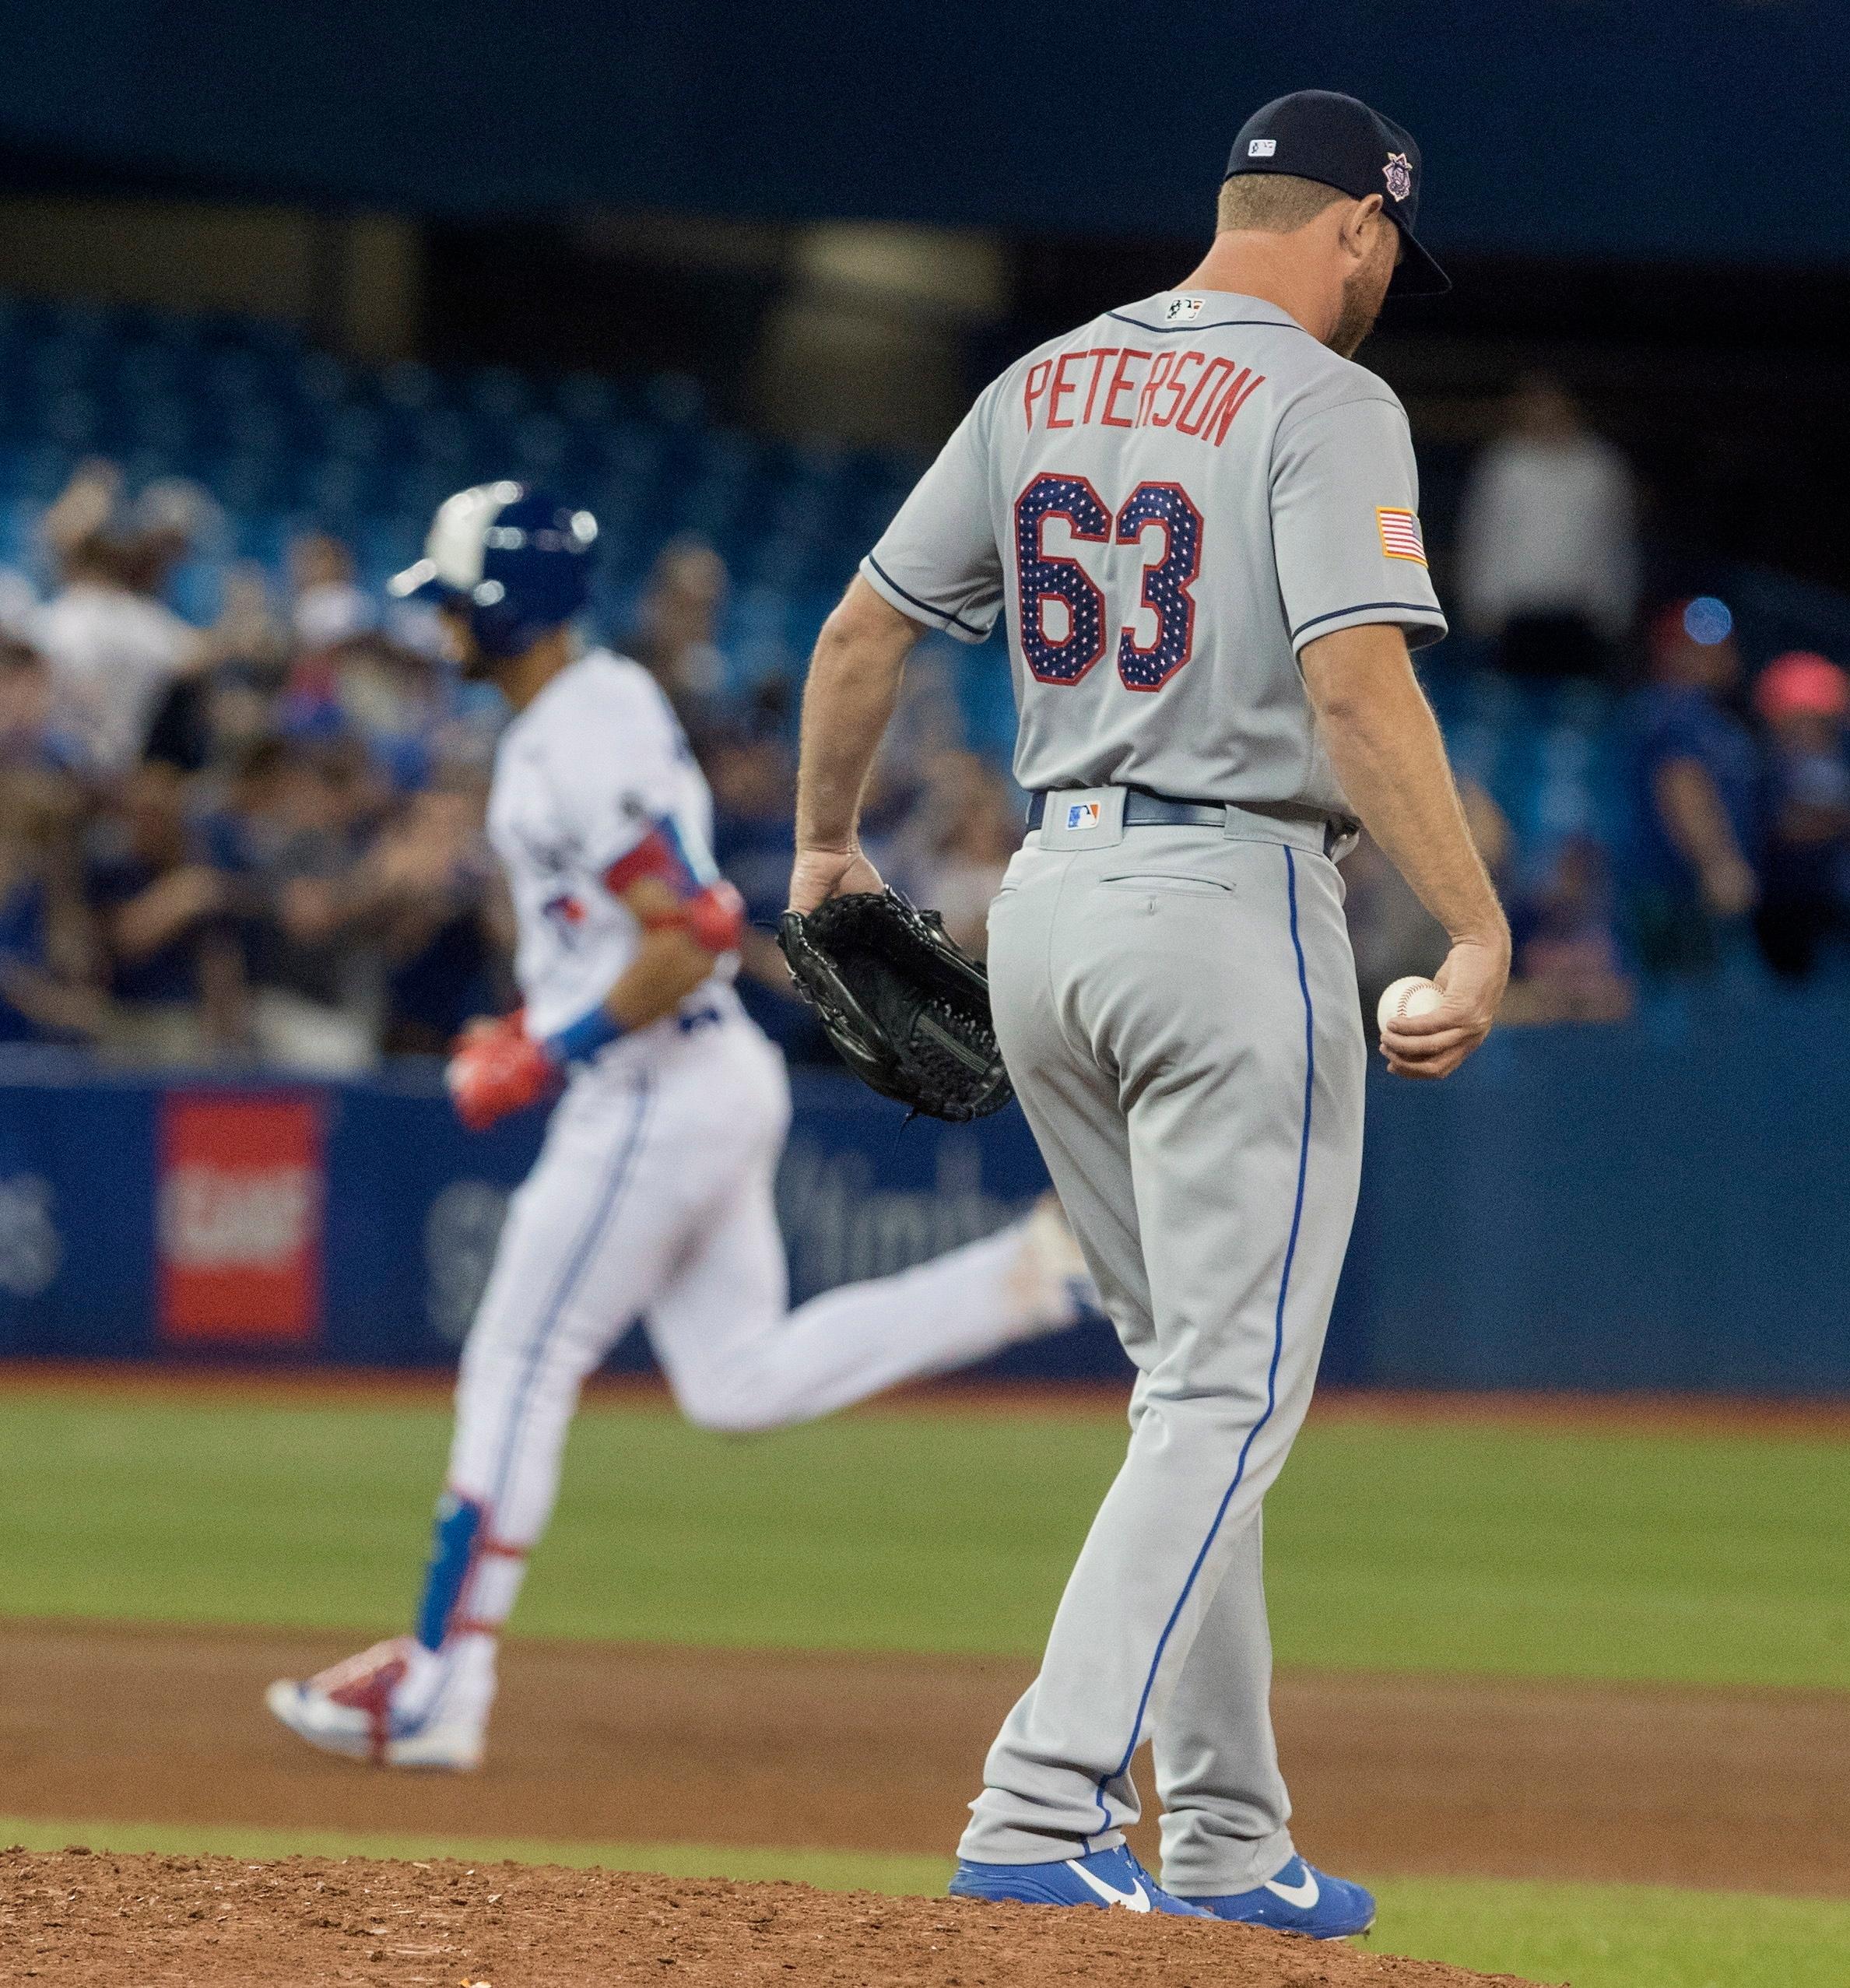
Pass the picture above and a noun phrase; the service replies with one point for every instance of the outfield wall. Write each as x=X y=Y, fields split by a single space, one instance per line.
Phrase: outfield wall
x=1666 y=1205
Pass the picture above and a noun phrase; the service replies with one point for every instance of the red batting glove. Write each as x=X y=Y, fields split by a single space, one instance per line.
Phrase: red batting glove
x=497 y=1067
x=716 y=919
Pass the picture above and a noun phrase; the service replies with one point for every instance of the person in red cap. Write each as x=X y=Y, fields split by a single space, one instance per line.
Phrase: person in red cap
x=1803 y=699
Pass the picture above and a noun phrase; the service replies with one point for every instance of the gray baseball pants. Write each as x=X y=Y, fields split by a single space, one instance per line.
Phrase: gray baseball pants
x=1178 y=1008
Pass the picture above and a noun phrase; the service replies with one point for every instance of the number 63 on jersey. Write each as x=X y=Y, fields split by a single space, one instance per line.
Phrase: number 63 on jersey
x=1043 y=577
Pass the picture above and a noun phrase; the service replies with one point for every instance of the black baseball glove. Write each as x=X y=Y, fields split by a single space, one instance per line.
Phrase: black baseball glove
x=908 y=1009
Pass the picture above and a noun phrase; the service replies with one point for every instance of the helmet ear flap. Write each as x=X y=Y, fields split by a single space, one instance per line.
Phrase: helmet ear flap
x=498 y=627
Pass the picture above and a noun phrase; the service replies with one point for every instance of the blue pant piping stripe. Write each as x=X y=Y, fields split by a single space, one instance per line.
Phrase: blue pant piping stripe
x=582 y=1251
x=1278 y=1344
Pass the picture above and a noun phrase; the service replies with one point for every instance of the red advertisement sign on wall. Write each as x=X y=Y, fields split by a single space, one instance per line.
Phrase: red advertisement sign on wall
x=240 y=1231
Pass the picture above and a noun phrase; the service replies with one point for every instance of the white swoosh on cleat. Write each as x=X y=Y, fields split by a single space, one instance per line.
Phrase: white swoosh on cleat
x=1304 y=1896
x=1135 y=1899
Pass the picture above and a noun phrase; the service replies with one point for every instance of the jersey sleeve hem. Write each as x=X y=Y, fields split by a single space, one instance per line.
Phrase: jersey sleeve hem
x=1423 y=624
x=909 y=605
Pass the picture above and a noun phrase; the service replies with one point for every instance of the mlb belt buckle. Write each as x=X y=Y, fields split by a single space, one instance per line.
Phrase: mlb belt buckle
x=1082 y=818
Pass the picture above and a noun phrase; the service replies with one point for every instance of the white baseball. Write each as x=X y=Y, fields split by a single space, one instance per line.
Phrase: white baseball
x=1413 y=996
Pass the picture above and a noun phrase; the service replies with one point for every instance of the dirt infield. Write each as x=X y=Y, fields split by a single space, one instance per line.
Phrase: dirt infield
x=269 y=1383
x=125 y=1922
x=602 y=1744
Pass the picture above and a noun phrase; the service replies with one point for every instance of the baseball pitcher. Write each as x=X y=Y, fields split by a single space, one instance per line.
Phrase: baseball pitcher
x=1199 y=518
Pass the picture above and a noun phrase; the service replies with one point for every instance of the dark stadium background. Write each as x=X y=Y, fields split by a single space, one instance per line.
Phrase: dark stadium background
x=728 y=273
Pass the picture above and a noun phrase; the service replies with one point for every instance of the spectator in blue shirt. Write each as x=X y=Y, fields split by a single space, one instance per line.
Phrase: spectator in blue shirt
x=1696 y=777
x=31 y=737
x=176 y=968
x=48 y=991
x=428 y=896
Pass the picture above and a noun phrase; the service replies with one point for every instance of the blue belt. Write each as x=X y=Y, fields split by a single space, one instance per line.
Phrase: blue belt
x=1143 y=809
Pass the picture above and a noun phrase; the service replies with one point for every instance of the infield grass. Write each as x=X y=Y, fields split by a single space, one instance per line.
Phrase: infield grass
x=829 y=1870
x=1395 y=1546
x=1594 y=1936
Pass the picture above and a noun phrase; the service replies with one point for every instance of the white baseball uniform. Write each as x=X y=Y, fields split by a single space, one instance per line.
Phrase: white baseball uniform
x=653 y=1195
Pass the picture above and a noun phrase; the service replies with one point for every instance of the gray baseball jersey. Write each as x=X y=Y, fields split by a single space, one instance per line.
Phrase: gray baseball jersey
x=1170 y=501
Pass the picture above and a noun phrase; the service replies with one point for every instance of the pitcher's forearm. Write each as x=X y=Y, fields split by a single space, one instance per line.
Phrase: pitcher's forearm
x=846 y=708
x=853 y=685
x=1385 y=746
x=1403 y=790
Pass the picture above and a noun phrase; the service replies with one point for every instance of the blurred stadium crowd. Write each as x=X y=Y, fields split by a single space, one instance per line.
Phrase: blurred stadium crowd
x=241 y=791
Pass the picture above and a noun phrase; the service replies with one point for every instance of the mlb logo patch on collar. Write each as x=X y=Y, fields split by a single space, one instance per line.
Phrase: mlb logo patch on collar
x=1400 y=537
x=1082 y=814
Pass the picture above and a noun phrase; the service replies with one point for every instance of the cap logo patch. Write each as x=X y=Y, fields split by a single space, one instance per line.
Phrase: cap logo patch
x=1399 y=174
x=1262 y=148
x=1182 y=309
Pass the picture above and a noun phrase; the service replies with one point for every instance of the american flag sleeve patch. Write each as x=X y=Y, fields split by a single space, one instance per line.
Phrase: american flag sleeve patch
x=1400 y=534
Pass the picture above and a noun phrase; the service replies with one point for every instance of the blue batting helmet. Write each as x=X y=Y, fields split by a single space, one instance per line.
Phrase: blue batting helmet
x=514 y=560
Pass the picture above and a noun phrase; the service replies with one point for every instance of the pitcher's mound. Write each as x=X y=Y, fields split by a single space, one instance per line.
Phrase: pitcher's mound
x=110 y=1922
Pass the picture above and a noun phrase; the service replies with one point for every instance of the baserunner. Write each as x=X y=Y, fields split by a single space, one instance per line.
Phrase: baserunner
x=1200 y=520
x=653 y=1195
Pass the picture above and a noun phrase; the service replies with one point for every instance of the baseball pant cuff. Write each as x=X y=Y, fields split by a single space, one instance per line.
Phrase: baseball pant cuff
x=1212 y=1868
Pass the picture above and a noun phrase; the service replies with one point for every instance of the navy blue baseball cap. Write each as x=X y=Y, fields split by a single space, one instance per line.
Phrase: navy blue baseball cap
x=1338 y=141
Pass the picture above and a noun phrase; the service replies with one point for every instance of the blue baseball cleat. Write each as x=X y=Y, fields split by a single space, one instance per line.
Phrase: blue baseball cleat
x=1106 y=1878
x=1299 y=1900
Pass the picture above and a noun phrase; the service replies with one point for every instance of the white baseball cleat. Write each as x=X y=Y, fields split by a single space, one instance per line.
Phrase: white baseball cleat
x=396 y=1705
x=1048 y=1282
